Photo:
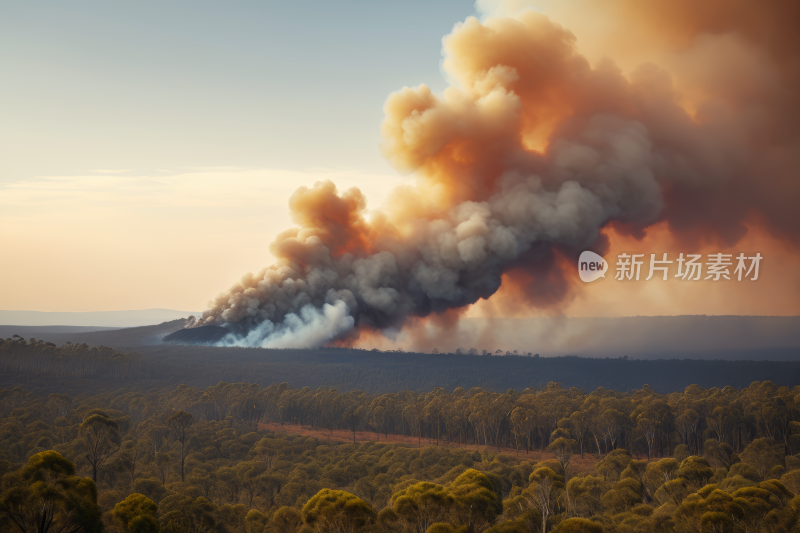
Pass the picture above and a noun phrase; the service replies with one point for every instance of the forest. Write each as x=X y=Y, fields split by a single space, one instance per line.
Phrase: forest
x=233 y=457
x=89 y=361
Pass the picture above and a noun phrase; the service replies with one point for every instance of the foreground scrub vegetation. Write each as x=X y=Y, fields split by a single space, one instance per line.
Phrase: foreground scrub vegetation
x=192 y=460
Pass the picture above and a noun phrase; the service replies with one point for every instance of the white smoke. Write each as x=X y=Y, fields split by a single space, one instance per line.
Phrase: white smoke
x=313 y=327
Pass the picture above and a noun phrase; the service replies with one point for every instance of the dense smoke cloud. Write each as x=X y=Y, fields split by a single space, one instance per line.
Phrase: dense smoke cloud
x=534 y=150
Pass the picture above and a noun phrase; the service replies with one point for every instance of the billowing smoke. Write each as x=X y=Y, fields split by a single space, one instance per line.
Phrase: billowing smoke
x=313 y=327
x=534 y=150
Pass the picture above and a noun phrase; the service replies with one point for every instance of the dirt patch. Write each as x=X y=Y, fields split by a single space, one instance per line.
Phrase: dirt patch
x=578 y=463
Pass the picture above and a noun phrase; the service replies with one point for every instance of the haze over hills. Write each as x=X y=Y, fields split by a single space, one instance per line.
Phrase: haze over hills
x=118 y=319
x=665 y=337
x=644 y=337
x=648 y=337
x=668 y=353
x=78 y=369
x=125 y=339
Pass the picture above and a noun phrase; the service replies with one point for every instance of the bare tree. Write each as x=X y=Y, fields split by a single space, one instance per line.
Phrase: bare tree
x=541 y=497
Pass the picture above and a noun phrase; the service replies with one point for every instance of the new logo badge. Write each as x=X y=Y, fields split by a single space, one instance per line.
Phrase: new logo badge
x=591 y=267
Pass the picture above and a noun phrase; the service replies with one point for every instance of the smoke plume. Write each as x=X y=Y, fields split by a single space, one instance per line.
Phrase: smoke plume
x=530 y=153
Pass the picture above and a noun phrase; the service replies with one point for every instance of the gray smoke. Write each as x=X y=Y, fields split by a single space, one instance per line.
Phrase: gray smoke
x=311 y=296
x=531 y=150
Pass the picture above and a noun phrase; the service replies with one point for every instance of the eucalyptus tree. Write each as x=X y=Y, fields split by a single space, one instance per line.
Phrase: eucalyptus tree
x=181 y=422
x=101 y=439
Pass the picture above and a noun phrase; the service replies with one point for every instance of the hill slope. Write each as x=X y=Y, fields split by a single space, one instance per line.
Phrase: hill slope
x=118 y=319
x=120 y=339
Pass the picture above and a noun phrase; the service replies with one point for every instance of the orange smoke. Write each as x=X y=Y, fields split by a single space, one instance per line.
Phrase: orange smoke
x=535 y=154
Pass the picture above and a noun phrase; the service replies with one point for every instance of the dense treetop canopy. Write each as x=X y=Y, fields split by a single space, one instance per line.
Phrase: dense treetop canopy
x=549 y=458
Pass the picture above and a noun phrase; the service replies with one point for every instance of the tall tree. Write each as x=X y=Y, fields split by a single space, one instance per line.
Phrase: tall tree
x=180 y=422
x=542 y=493
x=101 y=439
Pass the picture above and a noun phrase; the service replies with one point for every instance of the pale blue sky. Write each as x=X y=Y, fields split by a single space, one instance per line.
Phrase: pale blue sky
x=168 y=85
x=149 y=148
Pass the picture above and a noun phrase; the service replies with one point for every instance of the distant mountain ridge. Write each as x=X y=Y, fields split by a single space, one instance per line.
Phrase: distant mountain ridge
x=117 y=319
x=680 y=337
x=123 y=339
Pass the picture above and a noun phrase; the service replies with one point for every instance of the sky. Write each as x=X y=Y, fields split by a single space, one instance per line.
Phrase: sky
x=149 y=150
x=136 y=137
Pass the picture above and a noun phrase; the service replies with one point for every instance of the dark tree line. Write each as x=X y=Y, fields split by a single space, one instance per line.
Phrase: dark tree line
x=86 y=367
x=18 y=356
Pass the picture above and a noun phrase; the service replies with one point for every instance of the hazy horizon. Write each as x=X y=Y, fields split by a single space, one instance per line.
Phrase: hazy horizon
x=118 y=318
x=723 y=336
